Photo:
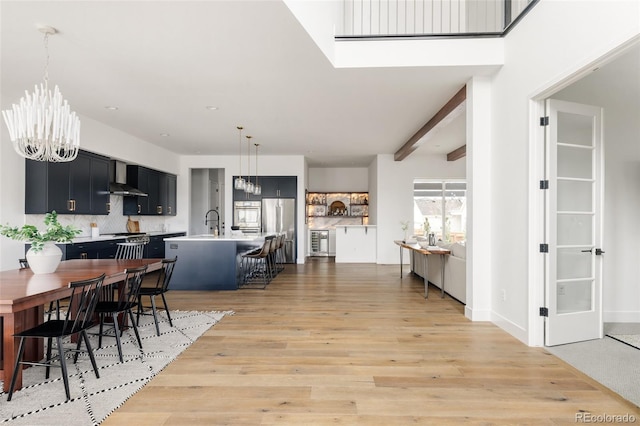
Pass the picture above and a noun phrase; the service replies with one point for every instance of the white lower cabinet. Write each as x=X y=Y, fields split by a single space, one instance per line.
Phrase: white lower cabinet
x=356 y=244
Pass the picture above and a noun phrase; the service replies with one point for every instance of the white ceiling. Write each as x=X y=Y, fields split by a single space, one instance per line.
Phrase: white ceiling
x=162 y=62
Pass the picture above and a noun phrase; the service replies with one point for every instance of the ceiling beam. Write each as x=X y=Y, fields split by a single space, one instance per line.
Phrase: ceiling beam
x=457 y=154
x=412 y=144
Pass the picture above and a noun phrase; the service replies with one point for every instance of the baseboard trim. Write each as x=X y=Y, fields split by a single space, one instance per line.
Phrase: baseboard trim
x=621 y=316
x=510 y=327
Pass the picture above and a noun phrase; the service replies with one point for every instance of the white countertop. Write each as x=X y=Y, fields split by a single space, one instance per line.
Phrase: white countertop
x=211 y=237
x=355 y=226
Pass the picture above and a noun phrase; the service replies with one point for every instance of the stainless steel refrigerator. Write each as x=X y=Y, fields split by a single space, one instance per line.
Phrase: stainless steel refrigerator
x=279 y=216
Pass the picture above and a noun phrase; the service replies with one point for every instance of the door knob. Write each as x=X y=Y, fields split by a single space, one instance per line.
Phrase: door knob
x=599 y=252
x=587 y=251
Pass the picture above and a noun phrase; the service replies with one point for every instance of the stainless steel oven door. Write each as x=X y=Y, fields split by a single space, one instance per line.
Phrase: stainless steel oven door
x=246 y=215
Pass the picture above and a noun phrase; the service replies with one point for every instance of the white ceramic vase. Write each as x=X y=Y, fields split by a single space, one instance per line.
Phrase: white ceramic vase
x=46 y=260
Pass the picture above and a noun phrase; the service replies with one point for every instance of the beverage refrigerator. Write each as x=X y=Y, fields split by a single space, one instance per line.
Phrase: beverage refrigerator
x=279 y=217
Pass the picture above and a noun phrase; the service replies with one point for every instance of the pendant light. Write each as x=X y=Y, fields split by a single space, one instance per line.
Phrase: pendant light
x=257 y=189
x=239 y=183
x=42 y=126
x=248 y=188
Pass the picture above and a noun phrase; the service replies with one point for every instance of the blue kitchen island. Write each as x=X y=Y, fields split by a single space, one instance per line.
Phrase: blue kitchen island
x=208 y=262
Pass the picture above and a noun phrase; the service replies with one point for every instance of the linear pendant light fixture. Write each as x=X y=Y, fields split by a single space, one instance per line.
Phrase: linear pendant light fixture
x=42 y=126
x=239 y=183
x=249 y=186
x=257 y=189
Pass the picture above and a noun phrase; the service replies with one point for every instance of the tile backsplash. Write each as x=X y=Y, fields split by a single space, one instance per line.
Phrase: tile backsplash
x=111 y=223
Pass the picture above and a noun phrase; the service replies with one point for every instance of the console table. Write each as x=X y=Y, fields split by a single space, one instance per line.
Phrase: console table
x=416 y=249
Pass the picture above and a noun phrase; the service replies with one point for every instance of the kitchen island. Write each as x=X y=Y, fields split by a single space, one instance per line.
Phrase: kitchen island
x=208 y=262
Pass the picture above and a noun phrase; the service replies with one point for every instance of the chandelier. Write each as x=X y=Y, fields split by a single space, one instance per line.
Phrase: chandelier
x=42 y=126
x=239 y=183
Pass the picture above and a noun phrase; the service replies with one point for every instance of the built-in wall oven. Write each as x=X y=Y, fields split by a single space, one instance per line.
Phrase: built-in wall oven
x=319 y=243
x=246 y=216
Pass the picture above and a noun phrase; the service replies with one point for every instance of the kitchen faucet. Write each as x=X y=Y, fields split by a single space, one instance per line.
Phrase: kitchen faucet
x=217 y=219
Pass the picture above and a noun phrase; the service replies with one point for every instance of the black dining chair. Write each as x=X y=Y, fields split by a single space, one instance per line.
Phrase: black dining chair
x=78 y=318
x=124 y=303
x=160 y=288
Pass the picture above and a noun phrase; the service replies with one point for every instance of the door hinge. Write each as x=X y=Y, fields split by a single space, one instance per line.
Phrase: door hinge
x=544 y=312
x=544 y=184
x=544 y=121
x=544 y=248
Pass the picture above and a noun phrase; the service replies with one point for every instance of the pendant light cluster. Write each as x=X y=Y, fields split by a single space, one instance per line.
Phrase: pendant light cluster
x=240 y=182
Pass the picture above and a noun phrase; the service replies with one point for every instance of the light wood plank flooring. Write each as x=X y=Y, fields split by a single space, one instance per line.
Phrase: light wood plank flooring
x=330 y=343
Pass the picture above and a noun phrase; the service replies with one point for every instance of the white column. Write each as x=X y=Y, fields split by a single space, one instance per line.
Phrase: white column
x=479 y=225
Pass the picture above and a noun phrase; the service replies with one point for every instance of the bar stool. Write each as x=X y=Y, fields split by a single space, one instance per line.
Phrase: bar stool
x=256 y=264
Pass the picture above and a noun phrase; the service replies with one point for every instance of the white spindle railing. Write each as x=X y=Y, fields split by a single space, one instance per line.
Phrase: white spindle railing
x=364 y=18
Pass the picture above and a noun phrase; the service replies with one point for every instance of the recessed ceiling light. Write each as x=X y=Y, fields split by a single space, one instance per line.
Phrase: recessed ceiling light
x=164 y=134
x=211 y=107
x=111 y=108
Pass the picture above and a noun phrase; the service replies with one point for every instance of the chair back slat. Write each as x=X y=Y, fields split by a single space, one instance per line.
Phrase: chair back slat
x=132 y=282
x=166 y=272
x=130 y=250
x=82 y=303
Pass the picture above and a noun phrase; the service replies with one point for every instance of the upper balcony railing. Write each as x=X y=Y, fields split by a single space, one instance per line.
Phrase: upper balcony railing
x=430 y=18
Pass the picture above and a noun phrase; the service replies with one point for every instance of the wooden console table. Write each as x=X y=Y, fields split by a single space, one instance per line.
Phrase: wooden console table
x=23 y=295
x=416 y=249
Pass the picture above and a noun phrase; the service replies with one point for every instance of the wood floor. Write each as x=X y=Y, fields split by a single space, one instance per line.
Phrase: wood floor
x=330 y=343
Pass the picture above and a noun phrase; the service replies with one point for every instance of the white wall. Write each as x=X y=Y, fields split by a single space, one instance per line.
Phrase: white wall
x=392 y=201
x=621 y=269
x=554 y=41
x=338 y=179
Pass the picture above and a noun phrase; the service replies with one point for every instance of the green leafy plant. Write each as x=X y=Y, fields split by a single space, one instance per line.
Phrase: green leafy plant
x=54 y=232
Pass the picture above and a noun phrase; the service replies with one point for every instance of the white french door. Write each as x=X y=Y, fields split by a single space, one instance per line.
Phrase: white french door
x=574 y=164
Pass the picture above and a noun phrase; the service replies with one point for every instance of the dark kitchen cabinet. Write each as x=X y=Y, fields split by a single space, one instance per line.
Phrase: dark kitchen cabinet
x=160 y=187
x=279 y=186
x=80 y=186
x=88 y=250
x=155 y=248
x=171 y=206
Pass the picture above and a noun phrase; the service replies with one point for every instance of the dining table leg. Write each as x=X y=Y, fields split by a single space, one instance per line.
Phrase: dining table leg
x=8 y=351
x=400 y=261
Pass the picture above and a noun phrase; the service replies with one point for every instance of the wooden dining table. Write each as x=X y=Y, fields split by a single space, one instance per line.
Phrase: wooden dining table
x=24 y=294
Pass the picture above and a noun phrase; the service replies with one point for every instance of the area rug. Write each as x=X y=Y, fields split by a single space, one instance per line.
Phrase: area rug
x=628 y=339
x=42 y=402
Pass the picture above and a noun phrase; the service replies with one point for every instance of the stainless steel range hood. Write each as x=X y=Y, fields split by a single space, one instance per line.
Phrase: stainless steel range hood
x=118 y=185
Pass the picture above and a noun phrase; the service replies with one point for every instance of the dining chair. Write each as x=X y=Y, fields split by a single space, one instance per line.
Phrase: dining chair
x=126 y=301
x=130 y=250
x=160 y=288
x=78 y=318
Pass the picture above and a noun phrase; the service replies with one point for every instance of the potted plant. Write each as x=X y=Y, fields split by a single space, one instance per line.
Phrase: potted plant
x=43 y=256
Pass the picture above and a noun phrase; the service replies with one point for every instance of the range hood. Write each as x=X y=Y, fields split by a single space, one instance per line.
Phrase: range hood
x=118 y=185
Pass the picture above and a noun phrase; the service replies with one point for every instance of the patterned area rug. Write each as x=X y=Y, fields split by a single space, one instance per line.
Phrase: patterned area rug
x=629 y=339
x=42 y=402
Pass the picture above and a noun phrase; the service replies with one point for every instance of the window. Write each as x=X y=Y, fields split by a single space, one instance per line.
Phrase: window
x=441 y=208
